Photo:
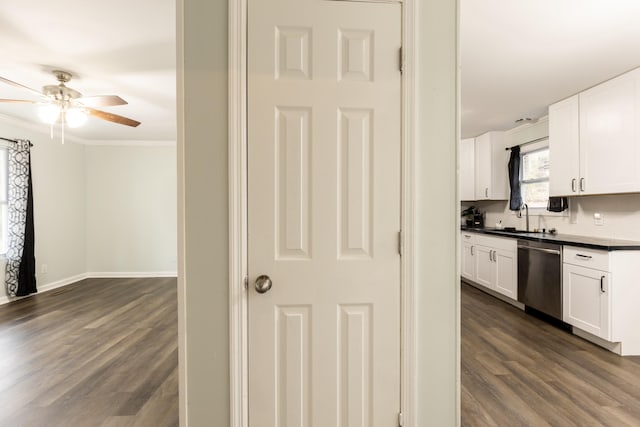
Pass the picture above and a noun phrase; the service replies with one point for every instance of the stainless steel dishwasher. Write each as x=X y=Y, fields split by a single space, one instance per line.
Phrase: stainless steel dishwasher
x=540 y=277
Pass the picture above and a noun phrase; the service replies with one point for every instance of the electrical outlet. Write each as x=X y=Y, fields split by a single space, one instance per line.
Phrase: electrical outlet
x=598 y=219
x=44 y=269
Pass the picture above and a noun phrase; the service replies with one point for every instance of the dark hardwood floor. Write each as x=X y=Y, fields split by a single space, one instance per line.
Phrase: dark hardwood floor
x=100 y=352
x=520 y=371
x=103 y=352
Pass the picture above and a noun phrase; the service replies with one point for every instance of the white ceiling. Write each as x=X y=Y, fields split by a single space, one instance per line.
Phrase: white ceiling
x=118 y=47
x=519 y=56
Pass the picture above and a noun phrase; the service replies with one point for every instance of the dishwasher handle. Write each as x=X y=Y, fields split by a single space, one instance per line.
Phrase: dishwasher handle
x=545 y=250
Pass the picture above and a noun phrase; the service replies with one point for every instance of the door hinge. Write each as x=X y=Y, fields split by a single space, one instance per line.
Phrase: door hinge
x=400 y=419
x=246 y=282
x=400 y=242
x=401 y=60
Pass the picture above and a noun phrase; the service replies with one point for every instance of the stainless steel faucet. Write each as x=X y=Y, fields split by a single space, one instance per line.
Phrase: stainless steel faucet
x=526 y=208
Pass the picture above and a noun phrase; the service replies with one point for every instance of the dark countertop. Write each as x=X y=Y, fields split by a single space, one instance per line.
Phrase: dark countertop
x=563 y=239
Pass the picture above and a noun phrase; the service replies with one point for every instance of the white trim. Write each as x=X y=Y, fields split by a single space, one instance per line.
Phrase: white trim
x=614 y=347
x=69 y=137
x=45 y=288
x=238 y=353
x=78 y=277
x=38 y=127
x=129 y=143
x=183 y=314
x=408 y=337
x=130 y=274
x=238 y=394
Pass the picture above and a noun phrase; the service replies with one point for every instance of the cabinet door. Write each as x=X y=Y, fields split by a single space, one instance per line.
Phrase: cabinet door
x=499 y=188
x=491 y=167
x=564 y=147
x=586 y=299
x=485 y=267
x=467 y=258
x=506 y=281
x=483 y=166
x=609 y=136
x=467 y=169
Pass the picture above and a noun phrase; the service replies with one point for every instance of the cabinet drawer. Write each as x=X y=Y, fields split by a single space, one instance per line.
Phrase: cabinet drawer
x=503 y=243
x=467 y=237
x=589 y=258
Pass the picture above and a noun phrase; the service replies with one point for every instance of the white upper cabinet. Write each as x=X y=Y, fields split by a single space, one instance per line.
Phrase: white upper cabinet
x=564 y=147
x=491 y=167
x=609 y=137
x=595 y=139
x=467 y=169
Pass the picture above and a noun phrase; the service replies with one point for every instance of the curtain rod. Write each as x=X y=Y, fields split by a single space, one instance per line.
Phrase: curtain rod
x=14 y=141
x=528 y=142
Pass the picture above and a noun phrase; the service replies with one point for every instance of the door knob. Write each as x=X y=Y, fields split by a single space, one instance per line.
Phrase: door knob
x=263 y=284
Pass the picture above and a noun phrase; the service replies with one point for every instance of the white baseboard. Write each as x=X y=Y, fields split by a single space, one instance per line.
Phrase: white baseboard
x=614 y=347
x=4 y=299
x=47 y=287
x=136 y=274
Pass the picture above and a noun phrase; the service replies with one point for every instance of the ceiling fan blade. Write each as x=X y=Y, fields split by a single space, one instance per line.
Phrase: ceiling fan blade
x=112 y=117
x=12 y=83
x=101 y=101
x=18 y=101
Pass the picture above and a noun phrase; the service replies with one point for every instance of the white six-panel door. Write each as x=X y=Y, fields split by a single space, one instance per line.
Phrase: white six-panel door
x=324 y=213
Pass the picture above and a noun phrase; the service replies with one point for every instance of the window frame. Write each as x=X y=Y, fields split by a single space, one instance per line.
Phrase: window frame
x=533 y=148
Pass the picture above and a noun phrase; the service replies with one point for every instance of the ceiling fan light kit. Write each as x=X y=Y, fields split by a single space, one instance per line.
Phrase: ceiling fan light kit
x=68 y=107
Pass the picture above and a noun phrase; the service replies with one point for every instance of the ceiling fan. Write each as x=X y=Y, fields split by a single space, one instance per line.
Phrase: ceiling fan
x=66 y=105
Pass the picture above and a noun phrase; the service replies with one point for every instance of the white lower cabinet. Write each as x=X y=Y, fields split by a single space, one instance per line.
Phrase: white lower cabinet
x=506 y=272
x=586 y=299
x=600 y=296
x=467 y=258
x=485 y=267
x=490 y=262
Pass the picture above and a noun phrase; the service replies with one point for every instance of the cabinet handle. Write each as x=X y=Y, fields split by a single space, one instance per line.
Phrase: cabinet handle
x=602 y=284
x=573 y=185
x=493 y=255
x=467 y=236
x=486 y=193
x=581 y=184
x=471 y=250
x=584 y=256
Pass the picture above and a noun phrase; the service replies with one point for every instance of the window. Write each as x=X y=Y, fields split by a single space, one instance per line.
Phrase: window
x=534 y=178
x=4 y=171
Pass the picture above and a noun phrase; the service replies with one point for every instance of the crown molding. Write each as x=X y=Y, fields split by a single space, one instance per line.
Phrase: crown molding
x=43 y=129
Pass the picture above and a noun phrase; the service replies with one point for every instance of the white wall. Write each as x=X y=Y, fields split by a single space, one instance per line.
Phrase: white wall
x=203 y=214
x=59 y=210
x=621 y=215
x=437 y=206
x=98 y=209
x=203 y=205
x=131 y=209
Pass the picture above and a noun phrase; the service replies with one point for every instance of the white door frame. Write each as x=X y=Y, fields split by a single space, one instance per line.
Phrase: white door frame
x=238 y=355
